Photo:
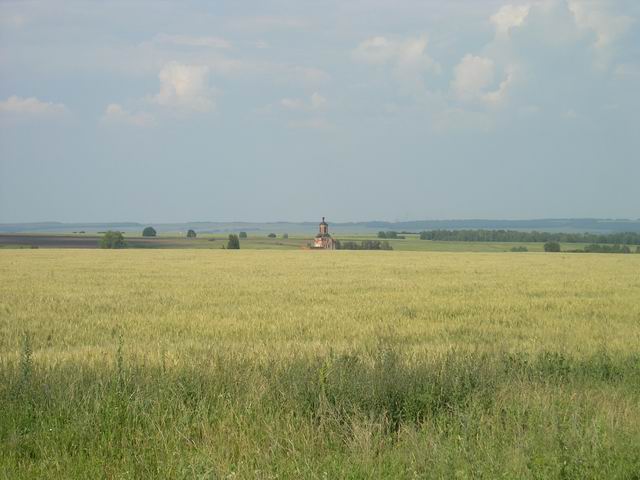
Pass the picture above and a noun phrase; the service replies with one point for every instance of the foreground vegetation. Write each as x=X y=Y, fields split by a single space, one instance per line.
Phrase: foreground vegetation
x=248 y=364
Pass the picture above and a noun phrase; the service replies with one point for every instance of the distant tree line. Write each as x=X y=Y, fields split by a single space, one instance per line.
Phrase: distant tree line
x=363 y=245
x=389 y=234
x=622 y=238
x=595 y=248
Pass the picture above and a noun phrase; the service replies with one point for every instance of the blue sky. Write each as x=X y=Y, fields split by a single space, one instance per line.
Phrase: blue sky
x=158 y=111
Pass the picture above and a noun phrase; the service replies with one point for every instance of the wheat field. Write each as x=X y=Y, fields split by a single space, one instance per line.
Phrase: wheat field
x=302 y=364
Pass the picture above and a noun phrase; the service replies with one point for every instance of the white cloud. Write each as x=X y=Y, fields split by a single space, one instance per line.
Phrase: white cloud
x=375 y=50
x=114 y=113
x=412 y=55
x=510 y=16
x=316 y=102
x=31 y=106
x=185 y=87
x=472 y=76
x=499 y=96
x=409 y=54
x=408 y=59
x=192 y=41
x=594 y=15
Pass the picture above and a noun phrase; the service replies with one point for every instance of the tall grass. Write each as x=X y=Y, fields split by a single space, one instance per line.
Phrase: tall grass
x=296 y=365
x=357 y=414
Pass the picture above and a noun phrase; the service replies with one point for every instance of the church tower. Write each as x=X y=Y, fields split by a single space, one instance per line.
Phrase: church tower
x=324 y=228
x=323 y=239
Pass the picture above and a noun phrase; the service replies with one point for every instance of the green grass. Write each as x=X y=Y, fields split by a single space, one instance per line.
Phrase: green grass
x=296 y=242
x=301 y=364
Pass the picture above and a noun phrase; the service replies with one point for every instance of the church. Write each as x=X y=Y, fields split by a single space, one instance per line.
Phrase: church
x=323 y=239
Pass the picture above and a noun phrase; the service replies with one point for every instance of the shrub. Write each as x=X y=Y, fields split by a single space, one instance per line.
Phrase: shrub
x=149 y=232
x=552 y=247
x=243 y=235
x=233 y=243
x=191 y=234
x=519 y=249
x=272 y=235
x=112 y=240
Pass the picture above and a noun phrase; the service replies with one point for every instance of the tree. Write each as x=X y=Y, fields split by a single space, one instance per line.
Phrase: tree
x=243 y=234
x=272 y=235
x=382 y=234
x=552 y=247
x=149 y=232
x=285 y=235
x=234 y=242
x=191 y=234
x=112 y=239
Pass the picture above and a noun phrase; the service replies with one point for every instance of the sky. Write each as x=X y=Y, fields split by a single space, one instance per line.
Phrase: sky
x=289 y=110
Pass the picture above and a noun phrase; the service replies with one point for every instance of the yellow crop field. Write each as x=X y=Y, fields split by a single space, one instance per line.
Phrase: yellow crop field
x=299 y=364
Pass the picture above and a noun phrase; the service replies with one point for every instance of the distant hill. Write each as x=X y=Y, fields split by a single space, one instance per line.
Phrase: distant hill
x=593 y=225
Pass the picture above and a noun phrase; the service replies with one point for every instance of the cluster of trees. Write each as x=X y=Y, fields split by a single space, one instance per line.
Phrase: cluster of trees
x=112 y=239
x=234 y=242
x=243 y=235
x=623 y=238
x=364 y=245
x=552 y=247
x=389 y=234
